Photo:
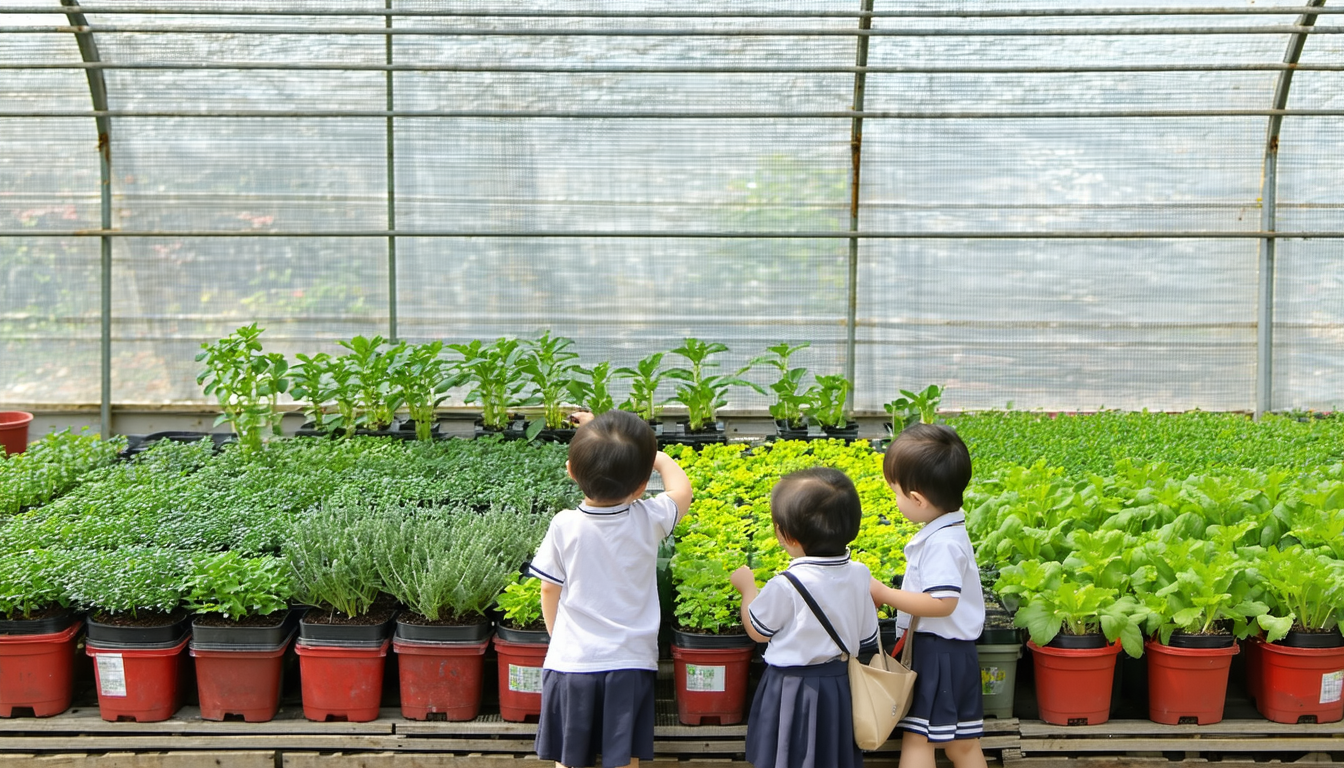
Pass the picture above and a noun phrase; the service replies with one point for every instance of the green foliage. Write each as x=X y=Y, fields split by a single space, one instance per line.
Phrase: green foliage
x=914 y=407
x=520 y=602
x=1052 y=601
x=33 y=581
x=829 y=401
x=1304 y=589
x=331 y=552
x=1193 y=586
x=370 y=369
x=247 y=383
x=51 y=466
x=553 y=369
x=236 y=587
x=420 y=379
x=315 y=383
x=497 y=378
x=644 y=378
x=130 y=580
x=703 y=393
x=791 y=400
x=595 y=393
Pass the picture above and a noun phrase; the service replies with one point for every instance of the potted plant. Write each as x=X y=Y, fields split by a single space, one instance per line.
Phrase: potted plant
x=14 y=432
x=702 y=392
x=595 y=393
x=521 y=642
x=343 y=639
x=830 y=409
x=1197 y=599
x=645 y=378
x=52 y=466
x=1076 y=631
x=313 y=382
x=137 y=628
x=240 y=633
x=497 y=381
x=913 y=408
x=791 y=401
x=552 y=367
x=420 y=379
x=247 y=383
x=1295 y=671
x=38 y=633
x=370 y=367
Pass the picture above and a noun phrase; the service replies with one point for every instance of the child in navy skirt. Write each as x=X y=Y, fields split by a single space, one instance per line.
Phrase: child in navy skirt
x=928 y=467
x=802 y=715
x=599 y=595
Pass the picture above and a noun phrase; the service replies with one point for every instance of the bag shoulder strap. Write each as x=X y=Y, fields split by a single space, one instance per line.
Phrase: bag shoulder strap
x=816 y=610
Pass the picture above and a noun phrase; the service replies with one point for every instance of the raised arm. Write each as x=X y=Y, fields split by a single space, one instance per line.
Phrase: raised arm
x=675 y=482
x=745 y=583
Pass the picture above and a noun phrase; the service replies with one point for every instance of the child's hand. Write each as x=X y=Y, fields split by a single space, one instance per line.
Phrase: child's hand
x=579 y=418
x=743 y=580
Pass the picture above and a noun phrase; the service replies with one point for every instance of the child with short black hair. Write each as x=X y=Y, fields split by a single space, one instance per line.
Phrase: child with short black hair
x=802 y=715
x=928 y=467
x=599 y=595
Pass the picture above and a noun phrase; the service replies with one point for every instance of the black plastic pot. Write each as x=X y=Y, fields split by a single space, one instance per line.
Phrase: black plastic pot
x=355 y=635
x=44 y=626
x=785 y=432
x=1299 y=639
x=1078 y=642
x=699 y=641
x=1001 y=636
x=423 y=633
x=166 y=635
x=683 y=436
x=516 y=430
x=556 y=435
x=408 y=425
x=1195 y=640
x=848 y=432
x=535 y=636
x=216 y=637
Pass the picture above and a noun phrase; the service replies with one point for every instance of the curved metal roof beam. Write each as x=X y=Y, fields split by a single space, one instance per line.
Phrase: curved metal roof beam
x=88 y=50
x=1264 y=343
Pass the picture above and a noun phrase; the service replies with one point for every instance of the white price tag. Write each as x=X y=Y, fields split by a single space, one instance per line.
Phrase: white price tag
x=701 y=678
x=1331 y=685
x=524 y=679
x=993 y=680
x=111 y=674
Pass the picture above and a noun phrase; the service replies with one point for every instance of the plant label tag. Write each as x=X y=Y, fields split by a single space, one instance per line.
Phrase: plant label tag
x=524 y=679
x=701 y=678
x=111 y=674
x=1332 y=683
x=993 y=680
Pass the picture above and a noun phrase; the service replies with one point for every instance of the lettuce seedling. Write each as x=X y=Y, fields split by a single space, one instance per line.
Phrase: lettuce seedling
x=1051 y=602
x=236 y=587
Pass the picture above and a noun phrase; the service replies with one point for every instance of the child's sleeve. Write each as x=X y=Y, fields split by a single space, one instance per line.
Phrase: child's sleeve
x=772 y=609
x=547 y=565
x=941 y=567
x=662 y=514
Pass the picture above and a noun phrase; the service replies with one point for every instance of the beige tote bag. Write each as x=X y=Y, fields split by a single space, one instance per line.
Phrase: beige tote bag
x=881 y=689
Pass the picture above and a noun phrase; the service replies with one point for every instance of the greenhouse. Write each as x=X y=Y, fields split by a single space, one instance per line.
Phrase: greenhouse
x=299 y=300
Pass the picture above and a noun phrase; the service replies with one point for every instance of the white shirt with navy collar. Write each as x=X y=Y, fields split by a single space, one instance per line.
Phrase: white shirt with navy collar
x=797 y=638
x=940 y=561
x=605 y=561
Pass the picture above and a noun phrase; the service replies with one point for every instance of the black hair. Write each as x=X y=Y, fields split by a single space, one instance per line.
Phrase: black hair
x=932 y=460
x=818 y=508
x=612 y=455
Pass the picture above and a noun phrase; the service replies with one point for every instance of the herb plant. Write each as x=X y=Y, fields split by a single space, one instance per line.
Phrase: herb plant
x=370 y=366
x=595 y=393
x=914 y=407
x=237 y=587
x=51 y=466
x=331 y=554
x=1304 y=589
x=247 y=383
x=791 y=400
x=33 y=581
x=520 y=603
x=496 y=375
x=704 y=393
x=829 y=401
x=130 y=580
x=419 y=378
x=553 y=368
x=645 y=377
x=1052 y=602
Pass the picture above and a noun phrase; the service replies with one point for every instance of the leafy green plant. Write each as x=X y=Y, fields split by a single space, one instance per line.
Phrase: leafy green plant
x=247 y=383
x=51 y=466
x=791 y=400
x=237 y=587
x=595 y=393
x=1051 y=602
x=331 y=554
x=420 y=379
x=552 y=368
x=130 y=580
x=520 y=603
x=33 y=581
x=704 y=393
x=1191 y=586
x=314 y=382
x=497 y=378
x=829 y=397
x=1304 y=589
x=645 y=377
x=371 y=378
x=914 y=407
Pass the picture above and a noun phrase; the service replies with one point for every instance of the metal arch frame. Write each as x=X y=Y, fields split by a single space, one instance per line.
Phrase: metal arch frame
x=88 y=51
x=1264 y=342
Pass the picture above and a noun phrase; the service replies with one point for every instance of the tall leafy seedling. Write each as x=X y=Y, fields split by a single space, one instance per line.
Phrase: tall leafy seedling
x=791 y=400
x=246 y=381
x=830 y=401
x=1052 y=602
x=370 y=366
x=495 y=373
x=703 y=392
x=1303 y=587
x=420 y=378
x=595 y=393
x=914 y=407
x=645 y=378
x=552 y=367
x=315 y=384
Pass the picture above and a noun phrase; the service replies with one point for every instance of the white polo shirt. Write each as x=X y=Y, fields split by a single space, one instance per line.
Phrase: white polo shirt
x=605 y=561
x=940 y=561
x=797 y=638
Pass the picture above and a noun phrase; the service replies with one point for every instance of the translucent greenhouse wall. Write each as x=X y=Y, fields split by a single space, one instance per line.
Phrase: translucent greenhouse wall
x=1054 y=207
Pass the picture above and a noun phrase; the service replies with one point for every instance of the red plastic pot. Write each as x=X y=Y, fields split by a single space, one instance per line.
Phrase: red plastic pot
x=138 y=684
x=440 y=677
x=14 y=431
x=36 y=671
x=1073 y=685
x=711 y=684
x=1254 y=674
x=520 y=679
x=341 y=682
x=1299 y=684
x=235 y=682
x=1185 y=683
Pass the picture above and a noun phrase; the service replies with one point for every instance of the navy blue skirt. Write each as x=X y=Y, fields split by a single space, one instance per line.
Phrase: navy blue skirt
x=946 y=704
x=584 y=713
x=802 y=717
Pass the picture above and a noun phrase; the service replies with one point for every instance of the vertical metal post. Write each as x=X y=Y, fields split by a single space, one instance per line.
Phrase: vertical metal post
x=1264 y=341
x=88 y=51
x=391 y=191
x=856 y=153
